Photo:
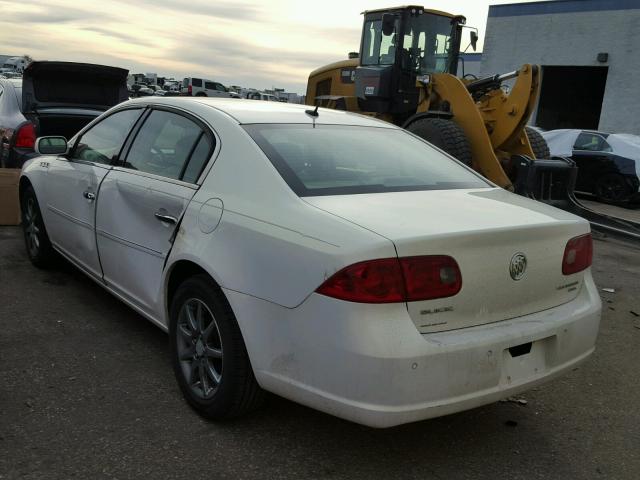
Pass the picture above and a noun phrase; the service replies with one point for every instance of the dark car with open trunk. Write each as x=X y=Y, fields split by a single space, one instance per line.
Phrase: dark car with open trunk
x=54 y=98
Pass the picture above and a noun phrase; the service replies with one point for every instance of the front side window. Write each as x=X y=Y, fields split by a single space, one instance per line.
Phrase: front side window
x=164 y=145
x=342 y=160
x=102 y=142
x=221 y=87
x=209 y=85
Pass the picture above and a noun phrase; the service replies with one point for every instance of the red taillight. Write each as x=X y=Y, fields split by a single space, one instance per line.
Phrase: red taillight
x=189 y=89
x=578 y=254
x=375 y=281
x=435 y=276
x=392 y=280
x=26 y=136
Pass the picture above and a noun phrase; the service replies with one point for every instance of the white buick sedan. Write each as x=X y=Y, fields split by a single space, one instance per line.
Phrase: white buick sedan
x=332 y=259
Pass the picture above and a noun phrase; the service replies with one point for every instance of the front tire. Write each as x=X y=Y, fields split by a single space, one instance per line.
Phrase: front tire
x=208 y=353
x=37 y=242
x=538 y=143
x=444 y=134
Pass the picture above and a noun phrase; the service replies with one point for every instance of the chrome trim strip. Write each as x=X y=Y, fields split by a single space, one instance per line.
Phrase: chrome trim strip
x=71 y=218
x=153 y=176
x=127 y=243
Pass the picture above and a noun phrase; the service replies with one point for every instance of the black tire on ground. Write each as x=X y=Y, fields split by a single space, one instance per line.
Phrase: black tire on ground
x=201 y=94
x=212 y=369
x=39 y=248
x=444 y=134
x=538 y=143
x=612 y=188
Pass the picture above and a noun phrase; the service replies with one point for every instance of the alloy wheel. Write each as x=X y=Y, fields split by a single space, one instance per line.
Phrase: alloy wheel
x=199 y=348
x=31 y=230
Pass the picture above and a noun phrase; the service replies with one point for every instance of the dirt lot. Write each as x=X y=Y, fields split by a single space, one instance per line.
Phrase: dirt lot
x=86 y=391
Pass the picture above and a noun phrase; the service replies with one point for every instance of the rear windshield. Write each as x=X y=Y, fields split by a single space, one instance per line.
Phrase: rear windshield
x=342 y=160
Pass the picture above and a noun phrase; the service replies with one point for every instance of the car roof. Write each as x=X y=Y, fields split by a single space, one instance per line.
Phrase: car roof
x=250 y=111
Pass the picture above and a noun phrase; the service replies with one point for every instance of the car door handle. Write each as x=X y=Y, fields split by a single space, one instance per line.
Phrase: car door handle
x=89 y=195
x=163 y=217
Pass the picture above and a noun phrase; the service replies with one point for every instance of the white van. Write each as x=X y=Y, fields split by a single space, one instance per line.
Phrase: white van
x=199 y=87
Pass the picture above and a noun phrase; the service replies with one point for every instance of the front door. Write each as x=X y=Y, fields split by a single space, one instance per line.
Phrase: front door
x=73 y=184
x=142 y=202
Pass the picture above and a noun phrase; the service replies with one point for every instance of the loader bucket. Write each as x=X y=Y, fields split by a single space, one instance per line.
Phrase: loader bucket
x=553 y=181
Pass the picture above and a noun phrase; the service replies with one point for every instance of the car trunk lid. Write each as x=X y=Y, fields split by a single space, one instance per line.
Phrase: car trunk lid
x=72 y=85
x=483 y=230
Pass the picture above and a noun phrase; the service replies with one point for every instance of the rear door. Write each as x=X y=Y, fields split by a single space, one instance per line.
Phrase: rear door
x=143 y=199
x=73 y=183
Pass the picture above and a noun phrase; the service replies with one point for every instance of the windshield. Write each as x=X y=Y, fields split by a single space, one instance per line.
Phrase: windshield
x=426 y=44
x=343 y=160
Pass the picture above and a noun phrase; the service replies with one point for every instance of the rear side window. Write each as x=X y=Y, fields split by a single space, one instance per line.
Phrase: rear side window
x=196 y=82
x=342 y=160
x=102 y=142
x=198 y=159
x=164 y=145
x=591 y=142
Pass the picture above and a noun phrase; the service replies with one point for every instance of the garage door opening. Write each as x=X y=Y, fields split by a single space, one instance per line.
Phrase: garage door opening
x=571 y=97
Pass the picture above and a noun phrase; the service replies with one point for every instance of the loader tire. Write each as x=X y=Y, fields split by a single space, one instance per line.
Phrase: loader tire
x=538 y=143
x=444 y=134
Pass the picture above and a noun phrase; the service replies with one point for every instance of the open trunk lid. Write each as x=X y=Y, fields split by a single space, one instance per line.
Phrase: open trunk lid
x=72 y=85
x=482 y=230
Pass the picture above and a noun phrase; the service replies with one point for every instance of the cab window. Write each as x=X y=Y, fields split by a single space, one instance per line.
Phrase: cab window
x=170 y=145
x=102 y=142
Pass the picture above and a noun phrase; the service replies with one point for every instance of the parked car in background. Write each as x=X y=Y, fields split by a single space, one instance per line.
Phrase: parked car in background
x=199 y=87
x=53 y=98
x=158 y=90
x=608 y=164
x=171 y=87
x=140 y=90
x=262 y=96
x=334 y=259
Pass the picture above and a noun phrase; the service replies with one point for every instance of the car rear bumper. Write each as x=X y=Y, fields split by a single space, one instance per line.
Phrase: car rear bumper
x=369 y=364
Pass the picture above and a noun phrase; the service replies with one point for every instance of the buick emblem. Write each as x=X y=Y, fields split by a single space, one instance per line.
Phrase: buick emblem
x=518 y=266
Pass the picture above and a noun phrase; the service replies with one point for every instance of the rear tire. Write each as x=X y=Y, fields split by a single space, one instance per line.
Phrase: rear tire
x=612 y=188
x=201 y=94
x=538 y=143
x=444 y=134
x=37 y=242
x=208 y=353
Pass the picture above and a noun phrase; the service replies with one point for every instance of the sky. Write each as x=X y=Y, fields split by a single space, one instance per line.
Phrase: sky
x=259 y=44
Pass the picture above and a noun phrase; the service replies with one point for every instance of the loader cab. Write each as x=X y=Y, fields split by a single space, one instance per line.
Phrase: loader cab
x=399 y=45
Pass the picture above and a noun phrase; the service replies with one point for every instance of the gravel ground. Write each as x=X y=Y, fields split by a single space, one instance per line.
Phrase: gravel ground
x=86 y=391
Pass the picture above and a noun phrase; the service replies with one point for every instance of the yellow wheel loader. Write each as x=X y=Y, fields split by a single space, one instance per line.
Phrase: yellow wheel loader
x=406 y=74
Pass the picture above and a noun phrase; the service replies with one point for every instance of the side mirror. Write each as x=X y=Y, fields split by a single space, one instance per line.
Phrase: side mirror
x=474 y=39
x=388 y=24
x=51 y=146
